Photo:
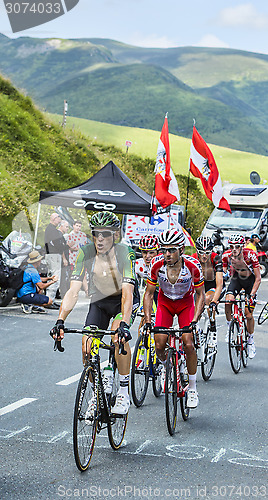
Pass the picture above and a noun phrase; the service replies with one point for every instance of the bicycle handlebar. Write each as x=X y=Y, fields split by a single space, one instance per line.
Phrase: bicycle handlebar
x=97 y=333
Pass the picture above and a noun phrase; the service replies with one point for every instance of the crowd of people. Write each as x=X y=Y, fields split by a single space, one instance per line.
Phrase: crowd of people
x=176 y=284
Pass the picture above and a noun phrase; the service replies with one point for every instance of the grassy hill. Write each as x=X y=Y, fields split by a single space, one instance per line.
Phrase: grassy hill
x=108 y=81
x=234 y=166
x=37 y=154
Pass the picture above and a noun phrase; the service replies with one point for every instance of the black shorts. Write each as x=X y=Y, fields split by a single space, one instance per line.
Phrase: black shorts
x=237 y=283
x=101 y=311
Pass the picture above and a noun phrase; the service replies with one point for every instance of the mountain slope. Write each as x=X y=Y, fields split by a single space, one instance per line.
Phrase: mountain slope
x=104 y=80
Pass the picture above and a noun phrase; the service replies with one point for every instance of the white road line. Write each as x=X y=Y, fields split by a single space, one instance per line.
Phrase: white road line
x=74 y=378
x=142 y=446
x=14 y=433
x=220 y=454
x=69 y=380
x=58 y=437
x=17 y=404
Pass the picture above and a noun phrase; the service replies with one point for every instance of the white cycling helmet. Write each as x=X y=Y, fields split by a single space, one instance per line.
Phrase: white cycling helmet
x=172 y=237
x=236 y=239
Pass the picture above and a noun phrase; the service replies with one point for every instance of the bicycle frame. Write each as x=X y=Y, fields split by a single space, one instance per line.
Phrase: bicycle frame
x=179 y=354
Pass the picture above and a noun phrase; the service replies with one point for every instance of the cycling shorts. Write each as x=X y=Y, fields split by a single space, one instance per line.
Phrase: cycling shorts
x=167 y=309
x=237 y=283
x=103 y=310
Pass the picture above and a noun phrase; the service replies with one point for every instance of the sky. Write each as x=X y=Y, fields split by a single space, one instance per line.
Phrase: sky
x=159 y=23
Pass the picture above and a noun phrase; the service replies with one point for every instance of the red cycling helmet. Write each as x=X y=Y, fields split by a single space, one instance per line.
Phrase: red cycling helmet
x=236 y=239
x=149 y=242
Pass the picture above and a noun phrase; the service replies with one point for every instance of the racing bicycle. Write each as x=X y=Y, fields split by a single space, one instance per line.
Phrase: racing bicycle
x=85 y=425
x=238 y=334
x=145 y=366
x=207 y=352
x=177 y=378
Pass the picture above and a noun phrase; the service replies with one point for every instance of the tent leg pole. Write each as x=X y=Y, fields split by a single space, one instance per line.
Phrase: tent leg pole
x=37 y=224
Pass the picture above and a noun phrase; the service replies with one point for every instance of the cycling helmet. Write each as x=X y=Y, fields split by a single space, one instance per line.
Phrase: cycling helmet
x=105 y=219
x=236 y=239
x=254 y=235
x=149 y=242
x=172 y=237
x=204 y=243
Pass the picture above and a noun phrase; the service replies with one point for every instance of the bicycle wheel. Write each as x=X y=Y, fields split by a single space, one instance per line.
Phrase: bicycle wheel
x=234 y=346
x=171 y=392
x=209 y=360
x=263 y=314
x=117 y=424
x=156 y=382
x=139 y=374
x=183 y=403
x=84 y=430
x=244 y=350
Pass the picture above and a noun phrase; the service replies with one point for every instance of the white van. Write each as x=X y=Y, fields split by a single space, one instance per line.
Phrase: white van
x=136 y=226
x=249 y=205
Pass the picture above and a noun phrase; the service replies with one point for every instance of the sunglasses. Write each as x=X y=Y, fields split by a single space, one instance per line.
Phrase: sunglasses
x=204 y=252
x=170 y=250
x=233 y=247
x=104 y=234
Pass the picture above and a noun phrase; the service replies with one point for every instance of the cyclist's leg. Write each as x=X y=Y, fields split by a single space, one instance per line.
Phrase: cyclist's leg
x=164 y=318
x=250 y=320
x=232 y=290
x=96 y=316
x=185 y=315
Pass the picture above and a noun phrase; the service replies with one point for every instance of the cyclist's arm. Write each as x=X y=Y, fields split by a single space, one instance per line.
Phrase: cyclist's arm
x=199 y=302
x=219 y=285
x=70 y=299
x=127 y=301
x=257 y=281
x=148 y=302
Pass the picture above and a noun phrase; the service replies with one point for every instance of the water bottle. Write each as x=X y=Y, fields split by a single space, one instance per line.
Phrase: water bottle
x=153 y=353
x=108 y=379
x=140 y=363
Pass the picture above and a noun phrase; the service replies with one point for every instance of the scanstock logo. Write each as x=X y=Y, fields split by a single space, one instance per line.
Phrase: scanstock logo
x=98 y=205
x=25 y=14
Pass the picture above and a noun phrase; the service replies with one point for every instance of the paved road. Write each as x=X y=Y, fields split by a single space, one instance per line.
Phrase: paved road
x=220 y=452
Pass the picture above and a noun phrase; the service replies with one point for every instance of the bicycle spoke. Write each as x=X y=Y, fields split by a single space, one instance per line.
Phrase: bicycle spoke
x=171 y=392
x=234 y=346
x=263 y=315
x=139 y=373
x=84 y=428
x=117 y=424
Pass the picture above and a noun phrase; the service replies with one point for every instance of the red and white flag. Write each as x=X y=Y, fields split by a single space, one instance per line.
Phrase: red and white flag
x=203 y=165
x=166 y=187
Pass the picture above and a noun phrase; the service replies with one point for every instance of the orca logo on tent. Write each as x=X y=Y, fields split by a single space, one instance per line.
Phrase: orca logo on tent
x=24 y=15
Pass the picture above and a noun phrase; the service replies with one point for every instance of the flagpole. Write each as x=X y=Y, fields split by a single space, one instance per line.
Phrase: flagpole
x=188 y=187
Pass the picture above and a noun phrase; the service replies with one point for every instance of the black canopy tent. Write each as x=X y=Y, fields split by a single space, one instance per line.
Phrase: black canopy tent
x=109 y=189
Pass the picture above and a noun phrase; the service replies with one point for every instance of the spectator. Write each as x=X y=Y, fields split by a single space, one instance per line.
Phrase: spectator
x=76 y=240
x=65 y=265
x=54 y=253
x=29 y=295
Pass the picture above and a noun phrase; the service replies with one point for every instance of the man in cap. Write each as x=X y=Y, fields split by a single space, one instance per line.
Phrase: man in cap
x=29 y=294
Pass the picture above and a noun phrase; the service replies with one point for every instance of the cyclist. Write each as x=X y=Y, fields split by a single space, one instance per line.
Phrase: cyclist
x=111 y=269
x=245 y=270
x=179 y=277
x=211 y=264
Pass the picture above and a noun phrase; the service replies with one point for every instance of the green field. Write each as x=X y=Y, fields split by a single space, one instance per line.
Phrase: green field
x=234 y=166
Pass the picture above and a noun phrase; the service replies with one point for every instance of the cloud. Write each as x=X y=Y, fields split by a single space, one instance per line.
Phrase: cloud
x=211 y=41
x=151 y=41
x=244 y=15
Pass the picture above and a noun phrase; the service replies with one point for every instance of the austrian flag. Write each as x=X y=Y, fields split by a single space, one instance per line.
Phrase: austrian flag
x=202 y=165
x=166 y=187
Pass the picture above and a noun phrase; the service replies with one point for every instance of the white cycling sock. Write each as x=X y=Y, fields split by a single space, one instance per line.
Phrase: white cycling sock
x=251 y=338
x=228 y=323
x=124 y=382
x=192 y=382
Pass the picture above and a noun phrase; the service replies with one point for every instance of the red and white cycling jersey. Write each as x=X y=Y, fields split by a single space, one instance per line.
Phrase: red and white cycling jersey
x=141 y=269
x=190 y=277
x=248 y=262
